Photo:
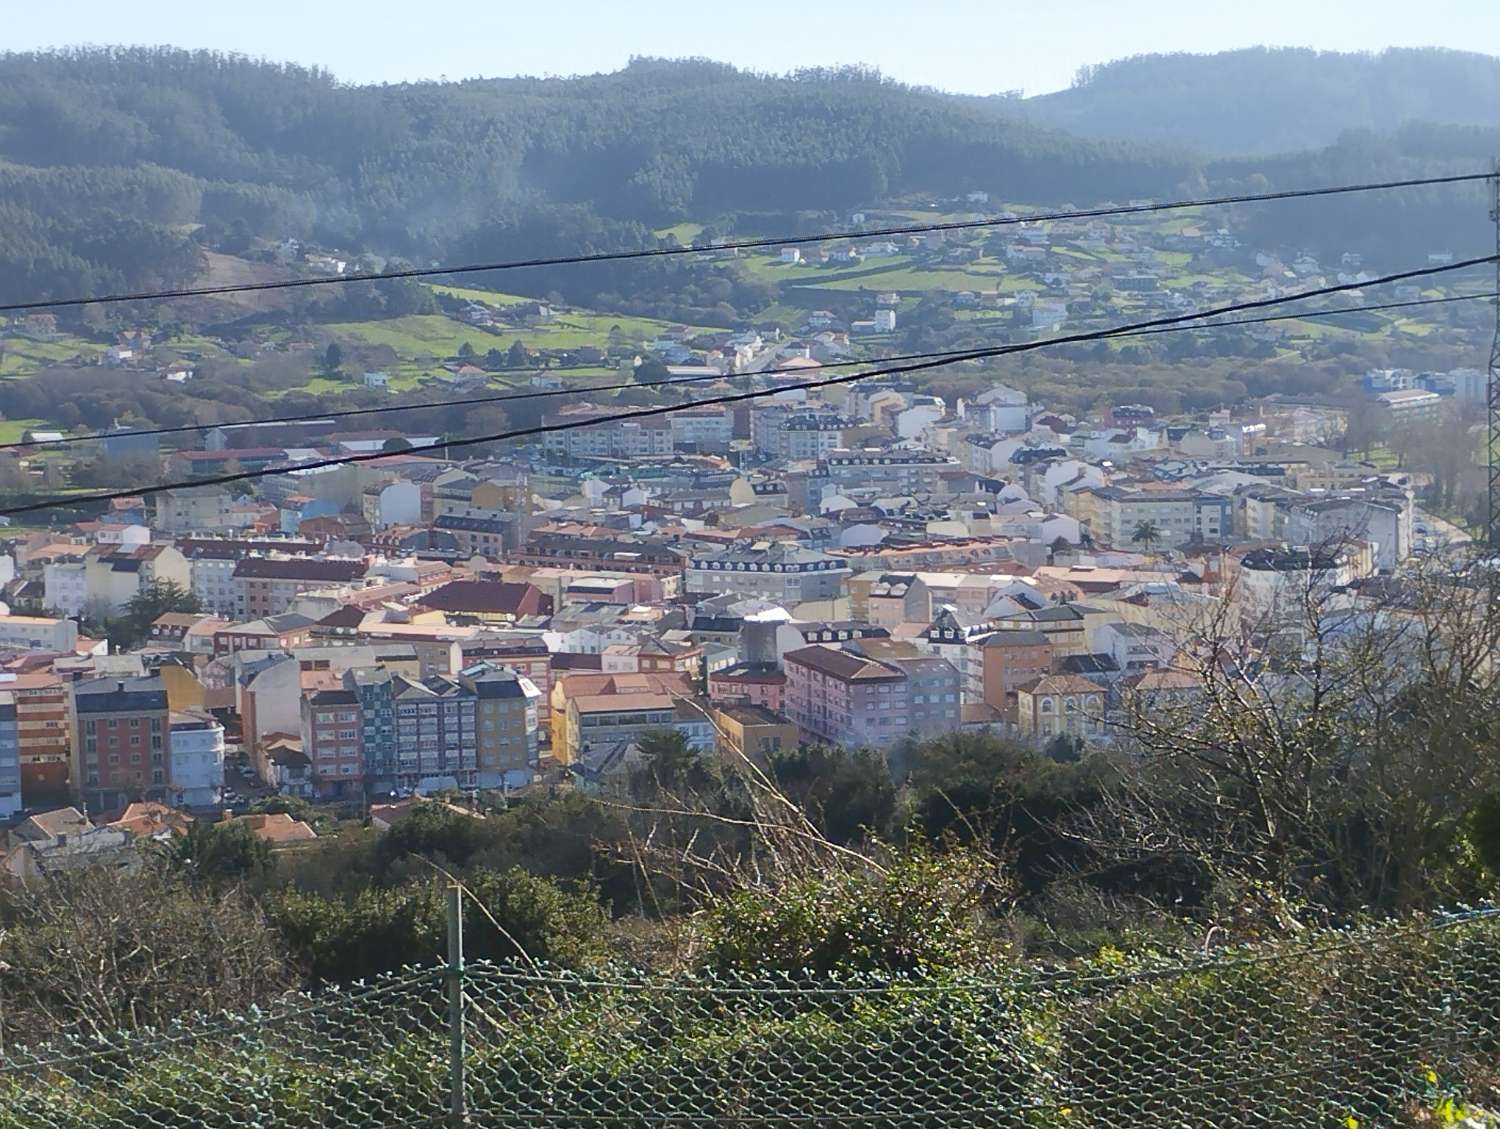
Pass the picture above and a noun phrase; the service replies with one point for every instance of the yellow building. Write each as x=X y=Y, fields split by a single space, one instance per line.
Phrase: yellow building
x=753 y=731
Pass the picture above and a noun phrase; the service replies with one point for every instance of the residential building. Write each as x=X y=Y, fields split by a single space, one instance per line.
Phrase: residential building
x=507 y=752
x=436 y=736
x=10 y=756
x=270 y=633
x=775 y=570
x=196 y=758
x=266 y=586
x=37 y=633
x=610 y=438
x=193 y=509
x=331 y=742
x=753 y=732
x=1058 y=705
x=489 y=601
x=1011 y=659
x=120 y=732
x=44 y=735
x=843 y=697
x=1136 y=647
x=115 y=575
x=889 y=599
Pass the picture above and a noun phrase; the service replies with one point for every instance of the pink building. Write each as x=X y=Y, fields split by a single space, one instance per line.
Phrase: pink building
x=331 y=742
x=759 y=684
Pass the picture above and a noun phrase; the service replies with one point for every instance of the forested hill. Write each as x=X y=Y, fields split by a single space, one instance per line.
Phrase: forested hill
x=1268 y=100
x=118 y=165
x=176 y=138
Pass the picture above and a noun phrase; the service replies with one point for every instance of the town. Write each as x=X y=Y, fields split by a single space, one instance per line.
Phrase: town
x=866 y=565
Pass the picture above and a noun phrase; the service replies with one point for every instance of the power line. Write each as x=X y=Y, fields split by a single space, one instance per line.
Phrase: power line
x=739 y=397
x=745 y=244
x=348 y=413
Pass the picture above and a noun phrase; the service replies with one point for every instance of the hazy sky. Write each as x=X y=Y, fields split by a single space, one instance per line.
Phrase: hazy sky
x=978 y=46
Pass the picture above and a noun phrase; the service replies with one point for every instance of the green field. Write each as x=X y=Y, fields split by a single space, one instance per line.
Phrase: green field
x=492 y=297
x=24 y=356
x=684 y=233
x=10 y=429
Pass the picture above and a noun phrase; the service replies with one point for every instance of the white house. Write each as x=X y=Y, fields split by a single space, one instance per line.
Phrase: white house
x=1003 y=409
x=400 y=503
x=791 y=255
x=377 y=379
x=196 y=748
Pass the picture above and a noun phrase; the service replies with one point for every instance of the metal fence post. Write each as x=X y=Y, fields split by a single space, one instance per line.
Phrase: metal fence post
x=457 y=1105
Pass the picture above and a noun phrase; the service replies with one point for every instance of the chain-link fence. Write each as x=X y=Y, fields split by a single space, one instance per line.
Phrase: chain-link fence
x=1392 y=1026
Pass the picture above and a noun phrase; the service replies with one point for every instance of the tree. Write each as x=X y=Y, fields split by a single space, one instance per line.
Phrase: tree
x=1328 y=760
x=1147 y=534
x=96 y=951
x=222 y=852
x=333 y=358
x=466 y=351
x=396 y=444
x=517 y=356
x=155 y=599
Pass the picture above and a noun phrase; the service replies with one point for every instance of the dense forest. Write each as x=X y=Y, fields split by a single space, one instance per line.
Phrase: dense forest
x=118 y=166
x=1262 y=100
x=176 y=138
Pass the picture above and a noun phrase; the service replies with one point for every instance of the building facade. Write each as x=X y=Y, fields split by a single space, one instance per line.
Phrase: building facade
x=120 y=733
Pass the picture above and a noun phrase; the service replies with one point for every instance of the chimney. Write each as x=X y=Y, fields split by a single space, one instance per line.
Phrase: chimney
x=120 y=685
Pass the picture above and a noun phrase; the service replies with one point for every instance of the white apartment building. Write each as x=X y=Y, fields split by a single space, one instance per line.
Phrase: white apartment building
x=196 y=758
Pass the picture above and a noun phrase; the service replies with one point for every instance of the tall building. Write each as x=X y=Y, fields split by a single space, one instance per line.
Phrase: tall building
x=436 y=738
x=10 y=756
x=372 y=689
x=44 y=734
x=196 y=758
x=330 y=741
x=843 y=697
x=120 y=741
x=506 y=725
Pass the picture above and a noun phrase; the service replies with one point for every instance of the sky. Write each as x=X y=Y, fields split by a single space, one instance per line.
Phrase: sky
x=970 y=46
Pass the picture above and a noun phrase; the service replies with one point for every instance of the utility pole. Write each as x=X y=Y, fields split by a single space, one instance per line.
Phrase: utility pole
x=457 y=1108
x=1492 y=390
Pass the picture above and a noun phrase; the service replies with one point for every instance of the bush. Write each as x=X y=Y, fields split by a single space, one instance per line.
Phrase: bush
x=924 y=912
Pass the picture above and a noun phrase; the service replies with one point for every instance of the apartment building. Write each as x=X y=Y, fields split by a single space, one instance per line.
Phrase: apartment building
x=507 y=706
x=1179 y=516
x=843 y=697
x=120 y=731
x=44 y=735
x=436 y=734
x=1010 y=660
x=266 y=586
x=212 y=561
x=753 y=732
x=609 y=439
x=37 y=633
x=10 y=756
x=196 y=758
x=330 y=727
x=774 y=570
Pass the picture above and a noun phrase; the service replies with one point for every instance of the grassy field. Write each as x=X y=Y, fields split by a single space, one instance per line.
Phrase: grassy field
x=10 y=429
x=684 y=233
x=492 y=297
x=24 y=356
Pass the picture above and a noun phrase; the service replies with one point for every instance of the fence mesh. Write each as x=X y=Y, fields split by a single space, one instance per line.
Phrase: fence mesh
x=1396 y=1026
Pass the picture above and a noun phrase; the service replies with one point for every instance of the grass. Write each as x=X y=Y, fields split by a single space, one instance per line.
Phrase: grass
x=684 y=233
x=492 y=297
x=24 y=356
x=10 y=429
